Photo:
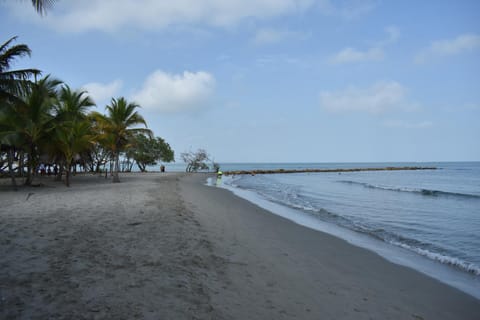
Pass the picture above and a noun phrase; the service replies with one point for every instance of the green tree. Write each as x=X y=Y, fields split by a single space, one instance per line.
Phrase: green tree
x=146 y=151
x=72 y=105
x=13 y=82
x=73 y=138
x=12 y=85
x=73 y=131
x=33 y=120
x=9 y=142
x=117 y=128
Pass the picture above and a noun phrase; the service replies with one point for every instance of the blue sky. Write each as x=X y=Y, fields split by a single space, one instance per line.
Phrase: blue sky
x=274 y=80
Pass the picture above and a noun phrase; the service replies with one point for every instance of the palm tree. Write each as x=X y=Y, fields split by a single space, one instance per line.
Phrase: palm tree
x=33 y=120
x=116 y=128
x=9 y=140
x=12 y=82
x=73 y=131
x=72 y=105
x=72 y=138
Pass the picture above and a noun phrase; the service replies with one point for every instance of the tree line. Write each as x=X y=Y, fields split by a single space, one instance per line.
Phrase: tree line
x=44 y=121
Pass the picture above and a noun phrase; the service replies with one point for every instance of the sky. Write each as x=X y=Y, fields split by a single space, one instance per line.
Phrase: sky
x=274 y=80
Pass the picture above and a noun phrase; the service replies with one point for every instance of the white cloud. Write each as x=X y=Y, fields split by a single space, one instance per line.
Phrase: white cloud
x=408 y=125
x=356 y=8
x=347 y=9
x=268 y=36
x=374 y=53
x=175 y=92
x=114 y=15
x=349 y=55
x=380 y=97
x=393 y=34
x=271 y=36
x=449 y=47
x=103 y=92
x=282 y=60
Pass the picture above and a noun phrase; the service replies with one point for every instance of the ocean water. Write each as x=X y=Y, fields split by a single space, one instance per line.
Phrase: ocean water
x=425 y=219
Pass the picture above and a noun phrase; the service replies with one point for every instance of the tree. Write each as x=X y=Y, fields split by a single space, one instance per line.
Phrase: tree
x=195 y=160
x=31 y=121
x=13 y=82
x=72 y=105
x=73 y=131
x=12 y=85
x=146 y=151
x=116 y=128
x=72 y=138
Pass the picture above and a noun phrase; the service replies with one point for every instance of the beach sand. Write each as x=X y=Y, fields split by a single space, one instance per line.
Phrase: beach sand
x=165 y=246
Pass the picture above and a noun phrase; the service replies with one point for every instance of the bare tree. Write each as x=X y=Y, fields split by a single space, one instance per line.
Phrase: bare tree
x=196 y=160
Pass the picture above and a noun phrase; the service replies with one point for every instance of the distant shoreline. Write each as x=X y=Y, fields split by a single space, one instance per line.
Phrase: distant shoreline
x=253 y=172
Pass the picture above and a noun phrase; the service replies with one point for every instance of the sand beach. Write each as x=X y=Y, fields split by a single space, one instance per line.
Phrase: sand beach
x=166 y=246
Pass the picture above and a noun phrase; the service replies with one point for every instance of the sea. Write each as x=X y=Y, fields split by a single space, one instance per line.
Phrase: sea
x=428 y=220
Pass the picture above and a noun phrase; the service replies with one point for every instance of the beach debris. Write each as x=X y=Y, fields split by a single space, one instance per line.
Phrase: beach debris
x=133 y=224
x=29 y=195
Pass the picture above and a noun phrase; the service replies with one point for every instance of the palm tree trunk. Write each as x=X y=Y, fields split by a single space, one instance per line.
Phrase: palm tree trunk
x=30 y=166
x=67 y=175
x=60 y=171
x=21 y=164
x=116 y=167
x=10 y=168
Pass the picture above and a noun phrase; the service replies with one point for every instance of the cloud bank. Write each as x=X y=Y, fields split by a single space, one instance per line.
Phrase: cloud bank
x=113 y=15
x=167 y=92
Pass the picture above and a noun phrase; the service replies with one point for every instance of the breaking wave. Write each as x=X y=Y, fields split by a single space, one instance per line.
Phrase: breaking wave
x=421 y=191
x=455 y=262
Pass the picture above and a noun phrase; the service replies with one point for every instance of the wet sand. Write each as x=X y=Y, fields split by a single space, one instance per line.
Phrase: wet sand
x=165 y=246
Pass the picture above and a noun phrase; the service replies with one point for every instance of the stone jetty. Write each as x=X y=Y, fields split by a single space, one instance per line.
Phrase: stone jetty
x=254 y=172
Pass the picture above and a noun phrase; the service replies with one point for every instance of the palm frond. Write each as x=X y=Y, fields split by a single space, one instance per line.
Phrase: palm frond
x=72 y=104
x=7 y=43
x=41 y=6
x=13 y=82
x=22 y=74
x=8 y=54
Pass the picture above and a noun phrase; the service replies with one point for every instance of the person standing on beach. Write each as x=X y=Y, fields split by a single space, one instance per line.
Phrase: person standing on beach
x=42 y=169
x=219 y=177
